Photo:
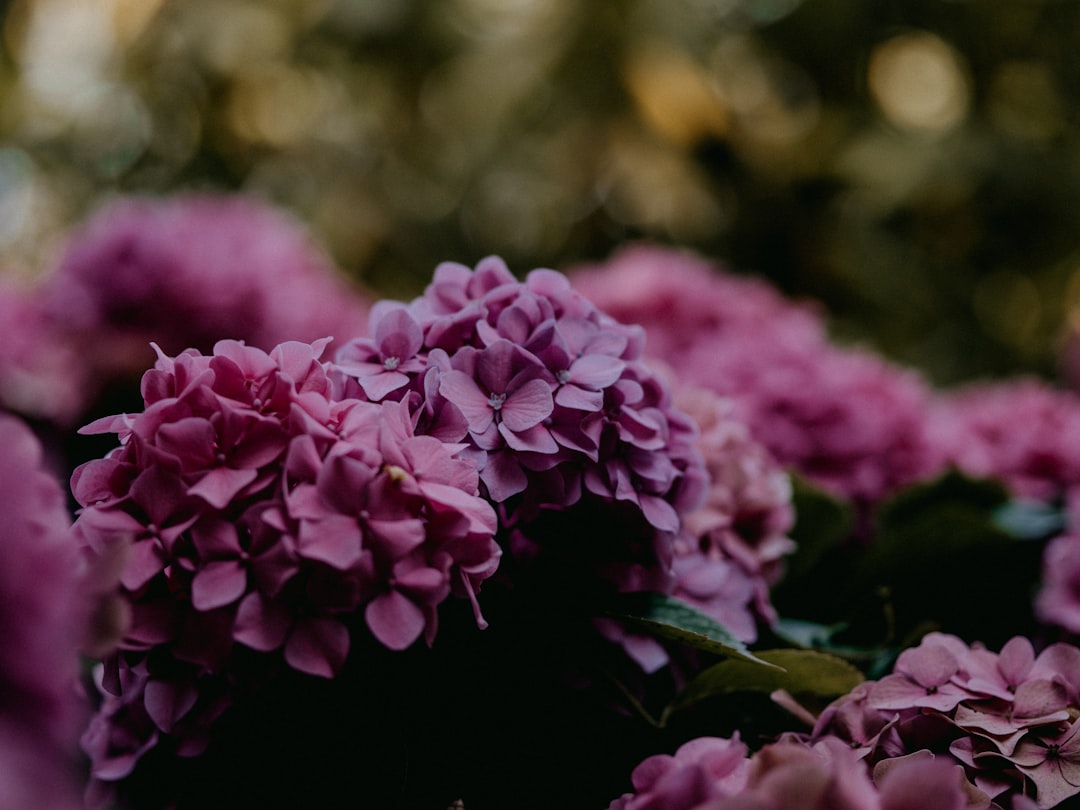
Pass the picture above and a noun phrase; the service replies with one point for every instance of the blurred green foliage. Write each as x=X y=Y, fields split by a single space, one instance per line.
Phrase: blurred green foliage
x=913 y=163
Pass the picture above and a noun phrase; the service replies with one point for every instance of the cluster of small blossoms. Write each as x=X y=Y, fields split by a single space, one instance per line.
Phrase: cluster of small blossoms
x=263 y=516
x=549 y=393
x=845 y=418
x=41 y=620
x=1010 y=719
x=731 y=550
x=713 y=773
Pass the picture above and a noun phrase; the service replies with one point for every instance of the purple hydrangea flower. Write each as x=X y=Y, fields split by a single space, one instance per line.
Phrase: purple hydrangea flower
x=260 y=513
x=550 y=396
x=844 y=418
x=42 y=616
x=188 y=271
x=1008 y=718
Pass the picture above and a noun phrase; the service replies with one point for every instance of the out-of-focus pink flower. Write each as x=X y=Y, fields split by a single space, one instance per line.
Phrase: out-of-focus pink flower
x=700 y=770
x=41 y=621
x=188 y=271
x=1058 y=599
x=259 y=512
x=1023 y=432
x=681 y=298
x=714 y=774
x=42 y=375
x=844 y=418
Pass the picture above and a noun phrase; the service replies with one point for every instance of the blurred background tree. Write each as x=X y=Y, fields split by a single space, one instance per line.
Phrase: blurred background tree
x=915 y=164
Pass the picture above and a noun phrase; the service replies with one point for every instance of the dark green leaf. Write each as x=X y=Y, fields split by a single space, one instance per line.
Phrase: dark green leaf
x=807 y=672
x=822 y=522
x=939 y=557
x=928 y=525
x=668 y=618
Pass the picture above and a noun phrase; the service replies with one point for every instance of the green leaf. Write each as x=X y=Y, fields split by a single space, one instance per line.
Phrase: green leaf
x=940 y=556
x=925 y=526
x=802 y=633
x=666 y=617
x=822 y=637
x=822 y=522
x=806 y=672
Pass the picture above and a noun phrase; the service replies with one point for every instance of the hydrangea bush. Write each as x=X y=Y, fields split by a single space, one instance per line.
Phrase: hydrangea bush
x=448 y=549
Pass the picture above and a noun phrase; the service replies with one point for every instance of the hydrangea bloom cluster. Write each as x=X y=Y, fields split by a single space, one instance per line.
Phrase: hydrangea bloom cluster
x=190 y=270
x=550 y=394
x=731 y=550
x=845 y=418
x=713 y=773
x=41 y=616
x=1010 y=719
x=265 y=515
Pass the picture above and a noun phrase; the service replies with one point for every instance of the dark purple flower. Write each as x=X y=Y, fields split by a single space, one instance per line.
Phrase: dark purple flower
x=551 y=398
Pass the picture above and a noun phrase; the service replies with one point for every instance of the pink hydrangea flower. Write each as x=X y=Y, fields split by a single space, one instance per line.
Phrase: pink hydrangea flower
x=712 y=773
x=1022 y=432
x=190 y=270
x=41 y=623
x=731 y=550
x=553 y=400
x=260 y=513
x=680 y=298
x=844 y=418
x=1008 y=718
x=701 y=770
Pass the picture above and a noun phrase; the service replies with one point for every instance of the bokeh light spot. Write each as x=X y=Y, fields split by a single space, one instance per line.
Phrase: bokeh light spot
x=919 y=82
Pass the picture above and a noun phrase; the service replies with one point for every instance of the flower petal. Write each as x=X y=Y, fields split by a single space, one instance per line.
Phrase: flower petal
x=318 y=647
